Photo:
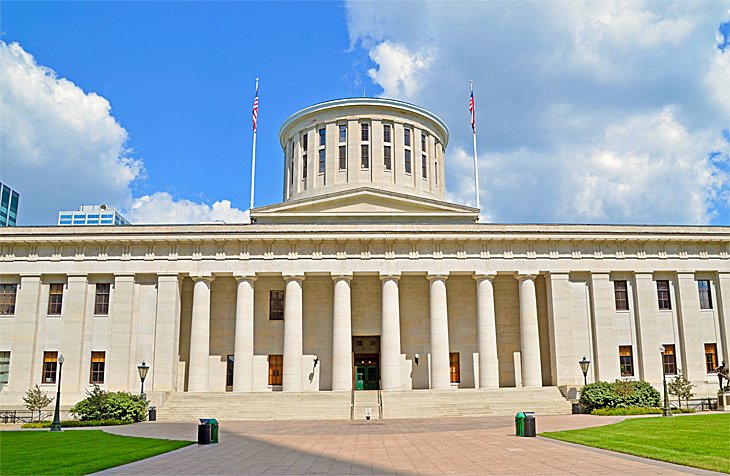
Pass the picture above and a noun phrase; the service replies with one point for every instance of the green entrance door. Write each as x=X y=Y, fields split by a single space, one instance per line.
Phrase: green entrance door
x=366 y=377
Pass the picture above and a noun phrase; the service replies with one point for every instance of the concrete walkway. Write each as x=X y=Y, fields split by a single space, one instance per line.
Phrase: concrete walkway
x=464 y=446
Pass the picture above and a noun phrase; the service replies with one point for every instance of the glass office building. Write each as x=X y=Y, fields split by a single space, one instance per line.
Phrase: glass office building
x=91 y=215
x=8 y=206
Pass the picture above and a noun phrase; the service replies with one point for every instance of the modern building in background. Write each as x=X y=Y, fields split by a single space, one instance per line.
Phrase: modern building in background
x=364 y=289
x=8 y=206
x=92 y=215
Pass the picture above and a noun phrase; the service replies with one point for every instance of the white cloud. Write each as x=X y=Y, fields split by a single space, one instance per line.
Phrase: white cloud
x=60 y=146
x=586 y=112
x=160 y=207
x=399 y=70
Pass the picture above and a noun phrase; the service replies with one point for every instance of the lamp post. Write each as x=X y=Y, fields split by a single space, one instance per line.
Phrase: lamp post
x=666 y=412
x=143 y=368
x=584 y=364
x=56 y=425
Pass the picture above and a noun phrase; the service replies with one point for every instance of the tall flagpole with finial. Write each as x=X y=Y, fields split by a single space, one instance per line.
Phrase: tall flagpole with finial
x=255 y=115
x=474 y=136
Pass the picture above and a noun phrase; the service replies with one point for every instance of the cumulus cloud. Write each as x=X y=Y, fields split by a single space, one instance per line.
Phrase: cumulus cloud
x=60 y=147
x=160 y=207
x=586 y=112
x=399 y=70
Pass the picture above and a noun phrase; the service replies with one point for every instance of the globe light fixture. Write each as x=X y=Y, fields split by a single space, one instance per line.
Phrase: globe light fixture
x=584 y=364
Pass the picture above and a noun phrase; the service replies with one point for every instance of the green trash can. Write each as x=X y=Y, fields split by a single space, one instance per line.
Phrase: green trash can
x=213 y=430
x=520 y=424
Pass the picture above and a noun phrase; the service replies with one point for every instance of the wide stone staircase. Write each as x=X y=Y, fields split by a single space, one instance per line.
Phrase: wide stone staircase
x=346 y=405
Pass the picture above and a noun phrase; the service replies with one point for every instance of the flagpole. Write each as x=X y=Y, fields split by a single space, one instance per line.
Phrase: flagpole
x=253 y=154
x=474 y=137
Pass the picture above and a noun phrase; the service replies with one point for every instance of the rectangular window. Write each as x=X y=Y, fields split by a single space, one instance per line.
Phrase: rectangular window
x=669 y=360
x=322 y=137
x=321 y=161
x=8 y=293
x=407 y=137
x=662 y=289
x=424 y=166
x=304 y=167
x=305 y=142
x=626 y=361
x=291 y=172
x=711 y=357
x=423 y=142
x=229 y=371
x=276 y=305
x=97 y=367
x=365 y=156
x=343 y=133
x=343 y=157
x=365 y=136
x=50 y=361
x=276 y=367
x=55 y=299
x=386 y=157
x=703 y=285
x=621 y=295
x=101 y=303
x=4 y=368
x=454 y=367
x=386 y=133
x=407 y=161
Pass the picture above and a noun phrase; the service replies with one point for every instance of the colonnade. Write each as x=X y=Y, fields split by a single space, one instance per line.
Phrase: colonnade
x=390 y=338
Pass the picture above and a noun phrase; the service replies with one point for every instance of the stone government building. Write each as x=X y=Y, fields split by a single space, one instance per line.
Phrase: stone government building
x=363 y=279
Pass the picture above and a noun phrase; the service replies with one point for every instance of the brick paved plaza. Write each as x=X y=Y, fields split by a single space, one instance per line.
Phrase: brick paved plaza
x=465 y=446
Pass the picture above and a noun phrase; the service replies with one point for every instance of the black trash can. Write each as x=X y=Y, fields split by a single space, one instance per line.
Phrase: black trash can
x=530 y=424
x=153 y=414
x=204 y=432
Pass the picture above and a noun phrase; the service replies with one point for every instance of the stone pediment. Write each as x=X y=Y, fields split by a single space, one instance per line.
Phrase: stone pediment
x=365 y=205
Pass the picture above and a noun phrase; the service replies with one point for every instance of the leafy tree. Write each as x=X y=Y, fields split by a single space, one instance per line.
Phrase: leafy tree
x=680 y=387
x=36 y=400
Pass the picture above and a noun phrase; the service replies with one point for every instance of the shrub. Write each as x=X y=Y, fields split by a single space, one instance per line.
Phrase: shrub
x=619 y=394
x=102 y=405
x=77 y=423
x=626 y=411
x=36 y=400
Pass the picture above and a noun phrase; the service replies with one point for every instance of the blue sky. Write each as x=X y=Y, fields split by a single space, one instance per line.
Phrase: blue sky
x=618 y=122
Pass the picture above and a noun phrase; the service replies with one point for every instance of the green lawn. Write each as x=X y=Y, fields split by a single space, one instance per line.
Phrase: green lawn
x=702 y=441
x=74 y=451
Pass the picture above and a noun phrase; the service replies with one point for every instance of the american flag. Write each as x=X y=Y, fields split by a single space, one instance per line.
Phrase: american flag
x=255 y=111
x=473 y=115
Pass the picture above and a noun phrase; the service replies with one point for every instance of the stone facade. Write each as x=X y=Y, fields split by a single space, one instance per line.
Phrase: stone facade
x=440 y=301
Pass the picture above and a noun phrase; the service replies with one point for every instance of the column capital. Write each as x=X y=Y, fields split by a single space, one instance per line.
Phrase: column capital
x=30 y=276
x=686 y=274
x=525 y=275
x=293 y=277
x=389 y=276
x=245 y=277
x=341 y=276
x=479 y=277
x=168 y=277
x=437 y=276
x=78 y=277
x=202 y=277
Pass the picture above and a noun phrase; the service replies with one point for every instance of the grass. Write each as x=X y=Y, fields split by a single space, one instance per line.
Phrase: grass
x=701 y=441
x=76 y=423
x=74 y=452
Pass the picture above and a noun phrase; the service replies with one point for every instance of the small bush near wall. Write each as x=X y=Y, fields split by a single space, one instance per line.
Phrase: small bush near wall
x=102 y=405
x=619 y=394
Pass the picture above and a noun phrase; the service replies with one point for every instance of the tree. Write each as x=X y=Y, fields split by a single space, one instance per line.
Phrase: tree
x=680 y=387
x=36 y=400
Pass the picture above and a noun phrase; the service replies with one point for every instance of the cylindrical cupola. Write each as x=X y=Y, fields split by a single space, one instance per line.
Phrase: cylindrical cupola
x=363 y=142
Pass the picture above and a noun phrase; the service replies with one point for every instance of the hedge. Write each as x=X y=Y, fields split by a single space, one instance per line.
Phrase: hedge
x=618 y=394
x=77 y=423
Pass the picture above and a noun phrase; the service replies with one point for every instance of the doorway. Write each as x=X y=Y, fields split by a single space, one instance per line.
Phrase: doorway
x=366 y=375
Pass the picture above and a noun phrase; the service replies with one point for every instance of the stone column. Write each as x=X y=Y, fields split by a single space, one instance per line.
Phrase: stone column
x=342 y=335
x=167 y=335
x=292 y=377
x=200 y=335
x=723 y=307
x=440 y=375
x=529 y=334
x=73 y=338
x=691 y=348
x=390 y=366
x=487 y=333
x=25 y=357
x=243 y=343
x=605 y=366
x=119 y=360
x=646 y=312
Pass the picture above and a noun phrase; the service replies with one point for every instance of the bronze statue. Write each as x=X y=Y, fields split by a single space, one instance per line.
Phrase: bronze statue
x=723 y=373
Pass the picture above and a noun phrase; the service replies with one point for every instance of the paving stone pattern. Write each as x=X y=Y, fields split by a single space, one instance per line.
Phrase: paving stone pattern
x=463 y=446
